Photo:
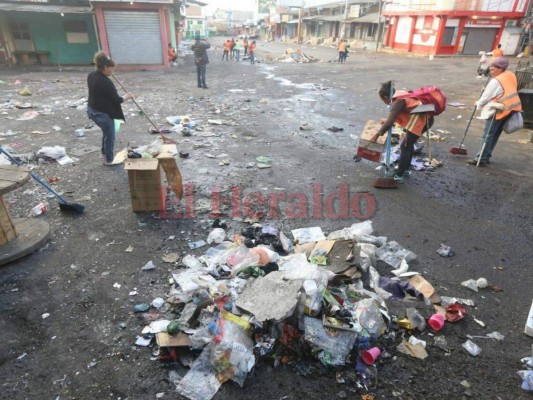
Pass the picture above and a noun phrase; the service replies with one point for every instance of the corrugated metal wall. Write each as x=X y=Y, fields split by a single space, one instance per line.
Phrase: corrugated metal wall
x=134 y=36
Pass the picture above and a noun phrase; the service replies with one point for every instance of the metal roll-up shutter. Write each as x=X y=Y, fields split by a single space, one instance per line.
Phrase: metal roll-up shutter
x=134 y=37
x=479 y=39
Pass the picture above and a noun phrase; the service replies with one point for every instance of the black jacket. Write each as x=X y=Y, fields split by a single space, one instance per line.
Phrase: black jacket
x=103 y=95
x=200 y=53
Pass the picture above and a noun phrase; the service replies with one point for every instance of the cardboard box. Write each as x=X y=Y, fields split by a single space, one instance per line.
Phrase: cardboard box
x=366 y=148
x=146 y=191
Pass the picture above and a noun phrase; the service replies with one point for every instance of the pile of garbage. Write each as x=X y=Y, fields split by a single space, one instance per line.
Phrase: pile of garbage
x=338 y=298
x=297 y=56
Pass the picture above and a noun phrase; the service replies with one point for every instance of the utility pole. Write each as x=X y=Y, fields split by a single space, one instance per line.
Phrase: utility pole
x=299 y=30
x=379 y=27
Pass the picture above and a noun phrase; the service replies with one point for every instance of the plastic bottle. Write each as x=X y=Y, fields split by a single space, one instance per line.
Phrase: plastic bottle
x=416 y=319
x=39 y=209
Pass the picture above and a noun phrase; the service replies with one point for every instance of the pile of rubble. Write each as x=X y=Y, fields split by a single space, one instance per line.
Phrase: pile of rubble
x=338 y=298
x=297 y=56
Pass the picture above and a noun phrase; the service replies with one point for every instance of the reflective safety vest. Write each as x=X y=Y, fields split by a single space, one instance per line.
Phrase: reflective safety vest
x=415 y=123
x=509 y=98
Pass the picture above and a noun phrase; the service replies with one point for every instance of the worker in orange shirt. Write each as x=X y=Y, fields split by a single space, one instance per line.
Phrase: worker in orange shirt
x=342 y=51
x=172 y=56
x=497 y=52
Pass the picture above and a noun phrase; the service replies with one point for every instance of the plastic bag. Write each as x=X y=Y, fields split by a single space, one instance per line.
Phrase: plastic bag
x=392 y=254
x=368 y=314
x=472 y=348
x=201 y=382
x=527 y=380
x=514 y=123
x=192 y=262
x=52 y=152
x=217 y=235
x=232 y=352
x=339 y=345
x=241 y=259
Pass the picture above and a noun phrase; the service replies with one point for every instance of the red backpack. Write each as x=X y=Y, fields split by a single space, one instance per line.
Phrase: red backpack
x=428 y=95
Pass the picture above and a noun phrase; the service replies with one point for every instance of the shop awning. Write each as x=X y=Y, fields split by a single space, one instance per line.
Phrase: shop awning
x=44 y=8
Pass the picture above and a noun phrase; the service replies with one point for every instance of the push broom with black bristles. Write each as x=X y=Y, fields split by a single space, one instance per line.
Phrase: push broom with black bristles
x=387 y=182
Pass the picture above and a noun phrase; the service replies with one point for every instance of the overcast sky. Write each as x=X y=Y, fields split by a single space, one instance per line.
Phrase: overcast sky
x=241 y=5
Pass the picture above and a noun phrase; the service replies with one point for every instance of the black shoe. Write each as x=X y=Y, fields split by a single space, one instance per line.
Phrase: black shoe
x=199 y=86
x=474 y=162
x=205 y=87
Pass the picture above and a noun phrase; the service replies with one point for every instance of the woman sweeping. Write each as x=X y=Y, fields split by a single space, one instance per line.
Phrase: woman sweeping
x=104 y=104
x=414 y=125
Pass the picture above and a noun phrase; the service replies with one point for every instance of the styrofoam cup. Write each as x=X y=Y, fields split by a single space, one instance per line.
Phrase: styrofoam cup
x=436 y=322
x=370 y=356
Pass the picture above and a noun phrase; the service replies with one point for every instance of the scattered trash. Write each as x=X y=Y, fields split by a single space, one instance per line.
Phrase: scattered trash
x=334 y=128
x=482 y=283
x=39 y=209
x=260 y=295
x=170 y=257
x=197 y=244
x=55 y=152
x=116 y=286
x=445 y=251
x=528 y=330
x=472 y=348
x=470 y=284
x=148 y=266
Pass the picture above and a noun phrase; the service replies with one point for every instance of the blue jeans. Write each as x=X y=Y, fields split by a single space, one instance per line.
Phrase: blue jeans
x=491 y=134
x=107 y=125
x=252 y=58
x=237 y=55
x=200 y=74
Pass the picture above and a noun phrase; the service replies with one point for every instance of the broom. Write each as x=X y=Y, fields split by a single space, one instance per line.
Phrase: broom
x=460 y=150
x=166 y=139
x=388 y=181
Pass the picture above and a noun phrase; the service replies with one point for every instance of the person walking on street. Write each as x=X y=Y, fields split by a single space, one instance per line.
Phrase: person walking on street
x=227 y=49
x=201 y=60
x=104 y=103
x=414 y=125
x=251 y=52
x=342 y=51
x=502 y=89
x=245 y=45
x=237 y=50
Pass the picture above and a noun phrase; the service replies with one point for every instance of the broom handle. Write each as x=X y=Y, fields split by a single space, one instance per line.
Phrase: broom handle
x=165 y=138
x=389 y=134
x=485 y=140
x=473 y=113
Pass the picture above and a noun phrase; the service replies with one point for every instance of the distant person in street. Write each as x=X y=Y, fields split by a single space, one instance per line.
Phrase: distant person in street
x=237 y=50
x=201 y=60
x=251 y=51
x=342 y=51
x=104 y=103
x=245 y=44
x=502 y=89
x=497 y=52
x=172 y=56
x=227 y=49
x=414 y=125
x=232 y=48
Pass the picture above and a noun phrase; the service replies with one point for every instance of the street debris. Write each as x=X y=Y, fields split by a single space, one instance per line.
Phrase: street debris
x=297 y=56
x=260 y=294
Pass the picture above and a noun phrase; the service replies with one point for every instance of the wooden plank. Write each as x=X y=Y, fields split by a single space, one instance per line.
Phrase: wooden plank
x=173 y=175
x=8 y=232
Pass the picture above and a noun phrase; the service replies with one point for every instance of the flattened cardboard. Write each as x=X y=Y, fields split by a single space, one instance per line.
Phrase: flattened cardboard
x=338 y=254
x=165 y=340
x=370 y=129
x=141 y=164
x=422 y=286
x=320 y=251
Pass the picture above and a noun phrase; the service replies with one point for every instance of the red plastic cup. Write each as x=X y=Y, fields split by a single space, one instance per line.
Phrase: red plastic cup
x=436 y=322
x=370 y=356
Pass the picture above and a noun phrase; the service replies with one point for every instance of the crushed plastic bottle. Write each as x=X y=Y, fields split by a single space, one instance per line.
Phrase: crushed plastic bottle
x=472 y=348
x=416 y=319
x=39 y=209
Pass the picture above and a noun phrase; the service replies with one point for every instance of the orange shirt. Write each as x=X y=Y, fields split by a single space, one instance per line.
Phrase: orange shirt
x=342 y=46
x=171 y=53
x=251 y=48
x=497 y=53
x=227 y=46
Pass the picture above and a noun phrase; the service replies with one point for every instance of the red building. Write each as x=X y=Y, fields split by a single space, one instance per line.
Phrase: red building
x=435 y=27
